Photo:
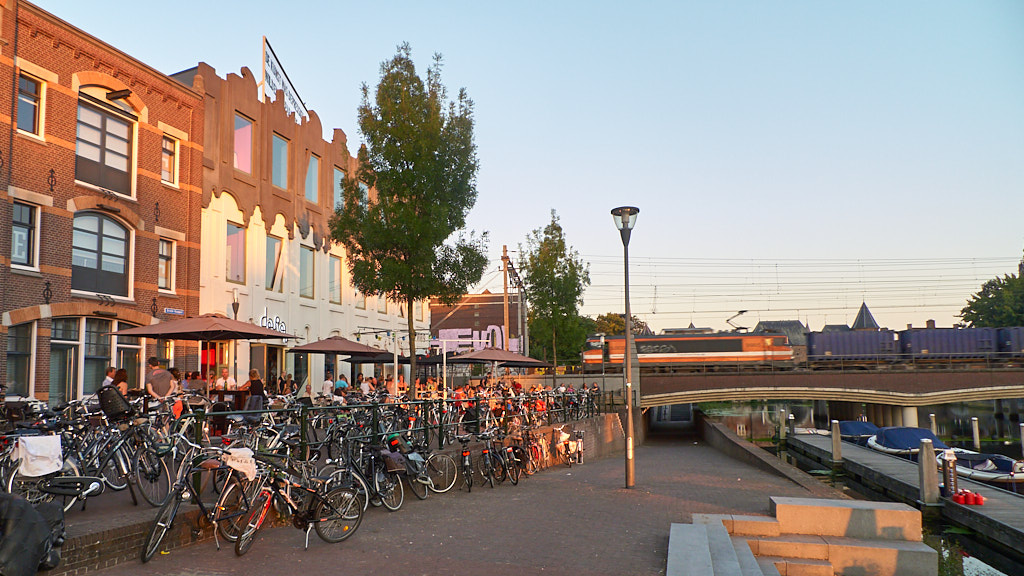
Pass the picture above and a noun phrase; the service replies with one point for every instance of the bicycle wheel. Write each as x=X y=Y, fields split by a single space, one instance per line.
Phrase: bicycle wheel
x=234 y=504
x=418 y=487
x=111 y=472
x=338 y=515
x=486 y=472
x=257 y=513
x=499 y=468
x=467 y=478
x=151 y=475
x=389 y=486
x=515 y=469
x=29 y=486
x=162 y=523
x=442 y=471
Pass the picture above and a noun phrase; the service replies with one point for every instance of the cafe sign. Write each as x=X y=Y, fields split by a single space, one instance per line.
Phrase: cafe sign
x=272 y=322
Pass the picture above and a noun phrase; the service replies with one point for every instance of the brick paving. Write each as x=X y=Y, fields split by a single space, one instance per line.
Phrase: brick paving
x=578 y=521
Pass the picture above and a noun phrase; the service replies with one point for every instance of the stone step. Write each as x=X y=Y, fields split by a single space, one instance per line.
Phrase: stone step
x=723 y=555
x=790 y=546
x=796 y=567
x=851 y=556
x=882 y=557
x=767 y=565
x=688 y=551
x=846 y=518
x=738 y=524
x=746 y=558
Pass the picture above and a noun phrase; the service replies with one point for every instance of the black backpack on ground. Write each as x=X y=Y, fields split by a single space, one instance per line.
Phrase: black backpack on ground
x=30 y=538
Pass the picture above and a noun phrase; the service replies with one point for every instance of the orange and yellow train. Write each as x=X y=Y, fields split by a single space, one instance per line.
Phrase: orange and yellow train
x=691 y=352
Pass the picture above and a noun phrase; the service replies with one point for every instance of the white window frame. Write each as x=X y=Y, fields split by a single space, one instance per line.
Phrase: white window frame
x=36 y=231
x=45 y=77
x=31 y=392
x=252 y=144
x=175 y=169
x=131 y=117
x=173 y=265
x=130 y=298
x=245 y=256
x=274 y=137
x=382 y=299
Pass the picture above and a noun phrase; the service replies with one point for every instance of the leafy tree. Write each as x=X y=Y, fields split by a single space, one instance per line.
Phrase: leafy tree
x=1000 y=302
x=555 y=278
x=613 y=324
x=420 y=158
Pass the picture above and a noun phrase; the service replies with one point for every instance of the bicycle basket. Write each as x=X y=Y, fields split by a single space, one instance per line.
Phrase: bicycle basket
x=113 y=404
x=393 y=461
x=563 y=436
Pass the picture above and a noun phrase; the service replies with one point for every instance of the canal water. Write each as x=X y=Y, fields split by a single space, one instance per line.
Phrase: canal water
x=959 y=553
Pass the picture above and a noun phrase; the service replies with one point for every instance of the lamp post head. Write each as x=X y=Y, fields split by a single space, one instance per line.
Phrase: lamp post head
x=625 y=217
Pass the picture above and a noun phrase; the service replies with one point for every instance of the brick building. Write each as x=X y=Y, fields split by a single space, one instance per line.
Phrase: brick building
x=101 y=158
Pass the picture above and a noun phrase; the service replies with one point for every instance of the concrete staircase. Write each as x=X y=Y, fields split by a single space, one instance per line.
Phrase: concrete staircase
x=804 y=537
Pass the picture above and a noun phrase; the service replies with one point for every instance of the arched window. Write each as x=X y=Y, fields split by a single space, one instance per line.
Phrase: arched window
x=100 y=255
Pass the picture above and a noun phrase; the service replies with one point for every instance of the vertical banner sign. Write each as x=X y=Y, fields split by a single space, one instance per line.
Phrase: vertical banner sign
x=275 y=78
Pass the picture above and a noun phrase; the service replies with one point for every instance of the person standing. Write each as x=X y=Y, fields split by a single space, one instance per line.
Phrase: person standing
x=158 y=381
x=402 y=386
x=109 y=378
x=327 y=388
x=120 y=380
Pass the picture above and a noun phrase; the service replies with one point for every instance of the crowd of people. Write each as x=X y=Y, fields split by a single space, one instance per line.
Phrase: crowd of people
x=160 y=383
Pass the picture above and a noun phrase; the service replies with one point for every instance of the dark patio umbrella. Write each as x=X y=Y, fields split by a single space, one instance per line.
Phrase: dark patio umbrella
x=204 y=328
x=502 y=357
x=343 y=346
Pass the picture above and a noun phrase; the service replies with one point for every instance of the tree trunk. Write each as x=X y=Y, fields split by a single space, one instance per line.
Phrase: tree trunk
x=554 y=354
x=412 y=347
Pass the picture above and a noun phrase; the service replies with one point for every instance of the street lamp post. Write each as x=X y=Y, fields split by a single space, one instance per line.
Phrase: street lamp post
x=234 y=348
x=625 y=218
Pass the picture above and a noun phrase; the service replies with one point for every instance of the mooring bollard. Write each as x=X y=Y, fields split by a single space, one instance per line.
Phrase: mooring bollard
x=931 y=424
x=927 y=473
x=837 y=449
x=782 y=427
x=975 y=434
x=949 y=472
x=1022 y=438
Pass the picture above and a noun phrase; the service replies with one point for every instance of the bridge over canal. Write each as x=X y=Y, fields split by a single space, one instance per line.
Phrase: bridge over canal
x=891 y=396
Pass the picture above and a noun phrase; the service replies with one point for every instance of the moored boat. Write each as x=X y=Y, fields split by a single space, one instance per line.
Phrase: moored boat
x=903 y=441
x=857 y=431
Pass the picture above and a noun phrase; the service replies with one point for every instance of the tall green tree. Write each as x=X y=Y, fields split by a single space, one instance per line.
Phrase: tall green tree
x=614 y=324
x=1000 y=302
x=555 y=277
x=419 y=156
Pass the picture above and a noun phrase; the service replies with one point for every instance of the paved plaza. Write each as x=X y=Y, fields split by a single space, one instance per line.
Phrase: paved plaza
x=560 y=521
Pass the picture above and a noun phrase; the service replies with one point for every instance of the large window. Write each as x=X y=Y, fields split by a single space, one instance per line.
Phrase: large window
x=23 y=235
x=335 y=281
x=99 y=255
x=81 y=349
x=359 y=298
x=243 y=144
x=165 y=265
x=312 y=179
x=19 y=359
x=104 y=148
x=279 y=167
x=169 y=161
x=30 y=99
x=382 y=304
x=339 y=188
x=307 y=272
x=274 y=279
x=235 y=254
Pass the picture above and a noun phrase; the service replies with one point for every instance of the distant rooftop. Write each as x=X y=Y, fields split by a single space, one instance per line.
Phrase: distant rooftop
x=864 y=320
x=793 y=329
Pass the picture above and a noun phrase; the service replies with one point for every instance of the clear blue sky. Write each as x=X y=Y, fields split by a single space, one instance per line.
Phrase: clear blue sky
x=788 y=158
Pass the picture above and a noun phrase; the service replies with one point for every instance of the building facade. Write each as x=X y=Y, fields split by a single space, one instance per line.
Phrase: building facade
x=270 y=186
x=100 y=157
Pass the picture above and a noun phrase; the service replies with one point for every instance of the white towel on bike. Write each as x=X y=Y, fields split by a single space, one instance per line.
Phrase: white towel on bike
x=39 y=455
x=241 y=459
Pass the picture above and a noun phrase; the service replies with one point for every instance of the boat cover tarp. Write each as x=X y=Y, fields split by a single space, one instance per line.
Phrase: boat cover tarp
x=985 y=462
x=857 y=428
x=905 y=438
